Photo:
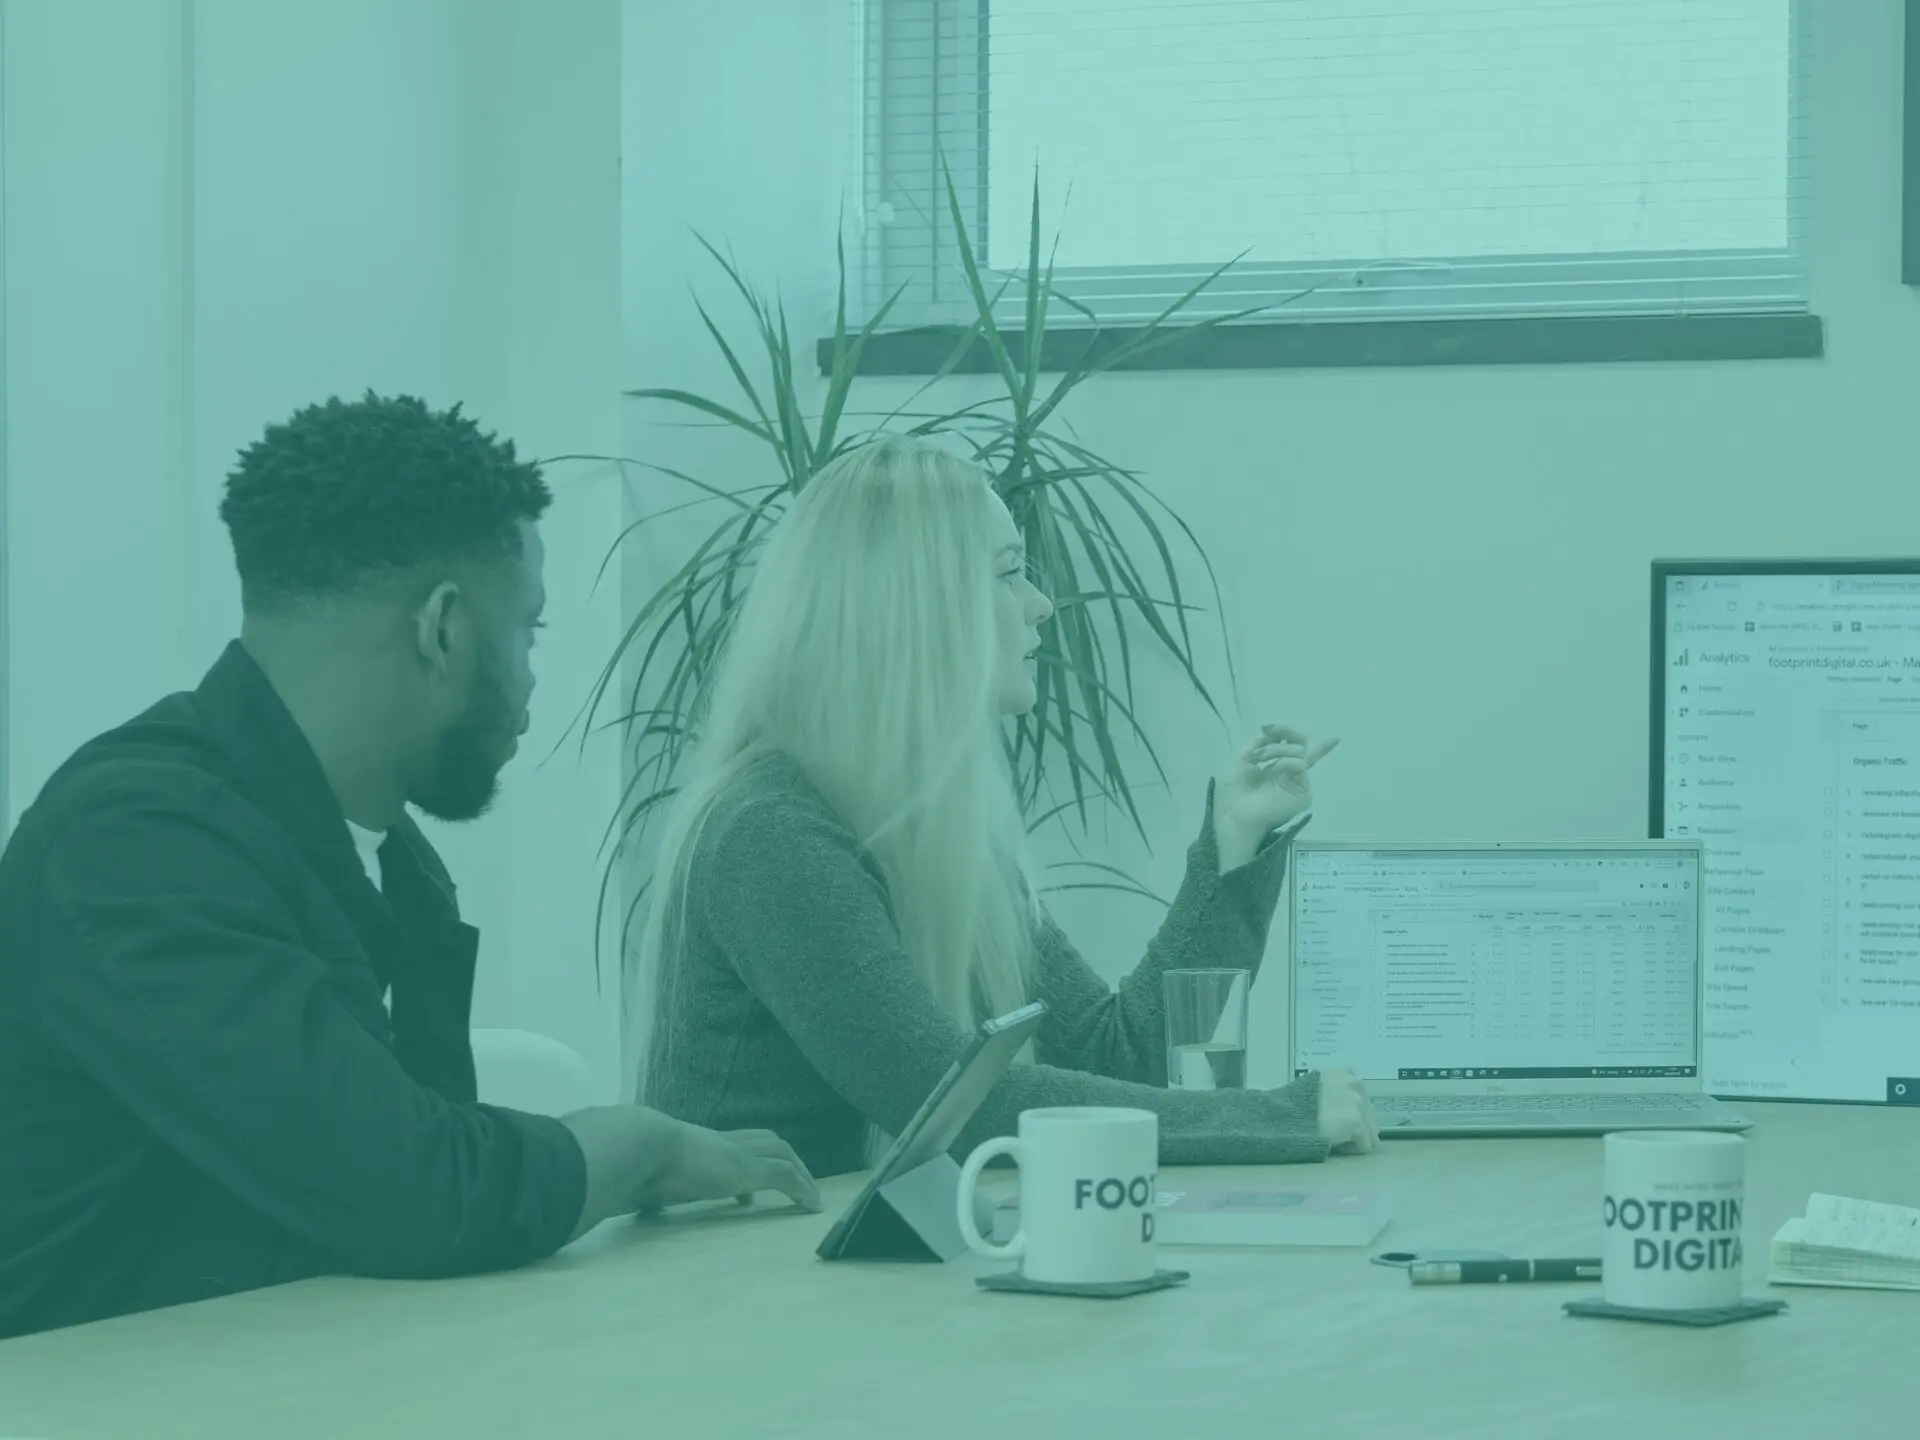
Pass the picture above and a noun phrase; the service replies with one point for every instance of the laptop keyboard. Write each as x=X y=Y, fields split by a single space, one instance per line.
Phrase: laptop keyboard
x=1650 y=1102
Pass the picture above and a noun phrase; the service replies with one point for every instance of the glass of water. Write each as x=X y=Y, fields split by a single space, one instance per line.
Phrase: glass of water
x=1207 y=1029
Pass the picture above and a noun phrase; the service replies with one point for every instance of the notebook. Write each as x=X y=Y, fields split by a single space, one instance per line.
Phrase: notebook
x=1245 y=1215
x=1856 y=1244
x=1543 y=989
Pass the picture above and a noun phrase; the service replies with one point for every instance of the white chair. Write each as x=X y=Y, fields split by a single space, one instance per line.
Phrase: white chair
x=520 y=1070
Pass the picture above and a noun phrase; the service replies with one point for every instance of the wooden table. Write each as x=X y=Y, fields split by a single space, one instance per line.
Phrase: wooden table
x=722 y=1323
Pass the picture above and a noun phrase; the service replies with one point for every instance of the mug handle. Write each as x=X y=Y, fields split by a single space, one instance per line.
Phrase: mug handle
x=969 y=1181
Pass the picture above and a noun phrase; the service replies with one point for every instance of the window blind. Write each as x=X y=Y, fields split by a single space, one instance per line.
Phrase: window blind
x=1365 y=158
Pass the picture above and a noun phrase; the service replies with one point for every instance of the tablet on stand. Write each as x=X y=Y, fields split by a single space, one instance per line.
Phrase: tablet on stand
x=907 y=1209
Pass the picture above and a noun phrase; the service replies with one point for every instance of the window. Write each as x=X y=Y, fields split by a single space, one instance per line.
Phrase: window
x=1395 y=159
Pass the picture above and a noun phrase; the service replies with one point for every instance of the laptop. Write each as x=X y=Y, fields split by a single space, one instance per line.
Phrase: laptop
x=1500 y=989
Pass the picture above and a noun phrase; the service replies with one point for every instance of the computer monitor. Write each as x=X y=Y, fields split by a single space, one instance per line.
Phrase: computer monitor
x=1786 y=736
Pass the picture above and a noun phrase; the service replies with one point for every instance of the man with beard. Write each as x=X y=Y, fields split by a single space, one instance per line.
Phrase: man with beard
x=234 y=985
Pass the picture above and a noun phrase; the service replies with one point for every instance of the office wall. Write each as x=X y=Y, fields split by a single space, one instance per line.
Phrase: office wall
x=737 y=124
x=218 y=211
x=1448 y=568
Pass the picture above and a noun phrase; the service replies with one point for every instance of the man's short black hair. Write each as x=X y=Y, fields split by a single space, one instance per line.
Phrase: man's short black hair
x=344 y=493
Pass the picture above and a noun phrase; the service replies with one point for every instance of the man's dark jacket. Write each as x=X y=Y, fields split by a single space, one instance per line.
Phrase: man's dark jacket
x=202 y=1087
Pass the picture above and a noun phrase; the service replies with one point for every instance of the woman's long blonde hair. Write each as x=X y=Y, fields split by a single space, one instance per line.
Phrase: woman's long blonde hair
x=866 y=651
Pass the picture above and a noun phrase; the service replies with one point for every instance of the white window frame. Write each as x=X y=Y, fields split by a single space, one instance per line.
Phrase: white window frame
x=904 y=248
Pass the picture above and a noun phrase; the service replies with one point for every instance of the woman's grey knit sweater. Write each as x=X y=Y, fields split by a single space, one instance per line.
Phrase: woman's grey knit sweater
x=795 y=1008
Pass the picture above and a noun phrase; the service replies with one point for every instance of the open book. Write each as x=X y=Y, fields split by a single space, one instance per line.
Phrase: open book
x=1856 y=1243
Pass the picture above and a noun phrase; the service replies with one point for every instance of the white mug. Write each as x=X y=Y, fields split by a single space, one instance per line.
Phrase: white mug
x=1672 y=1216
x=1087 y=1181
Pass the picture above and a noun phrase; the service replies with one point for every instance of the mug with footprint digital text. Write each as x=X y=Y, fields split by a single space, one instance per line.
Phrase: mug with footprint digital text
x=1672 y=1218
x=1087 y=1184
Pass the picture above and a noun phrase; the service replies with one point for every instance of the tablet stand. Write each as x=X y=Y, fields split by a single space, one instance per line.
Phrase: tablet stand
x=911 y=1217
x=907 y=1208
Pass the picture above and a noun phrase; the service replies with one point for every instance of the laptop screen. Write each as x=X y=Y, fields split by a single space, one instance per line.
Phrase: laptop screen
x=1497 y=963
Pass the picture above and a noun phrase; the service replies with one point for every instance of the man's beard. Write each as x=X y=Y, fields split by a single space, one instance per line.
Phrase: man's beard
x=464 y=778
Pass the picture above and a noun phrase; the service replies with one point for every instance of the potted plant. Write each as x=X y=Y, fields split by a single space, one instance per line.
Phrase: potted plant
x=1074 y=508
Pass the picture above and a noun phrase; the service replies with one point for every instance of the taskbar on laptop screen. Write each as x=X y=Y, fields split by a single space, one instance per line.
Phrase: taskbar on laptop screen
x=1539 y=1072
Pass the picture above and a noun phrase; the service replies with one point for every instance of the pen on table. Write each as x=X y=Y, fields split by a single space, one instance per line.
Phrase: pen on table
x=1499 y=1272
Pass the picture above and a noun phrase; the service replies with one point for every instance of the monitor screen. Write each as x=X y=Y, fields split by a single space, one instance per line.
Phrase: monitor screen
x=1505 y=962
x=1786 y=737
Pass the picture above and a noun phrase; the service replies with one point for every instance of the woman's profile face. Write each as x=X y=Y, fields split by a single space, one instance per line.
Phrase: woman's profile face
x=1019 y=609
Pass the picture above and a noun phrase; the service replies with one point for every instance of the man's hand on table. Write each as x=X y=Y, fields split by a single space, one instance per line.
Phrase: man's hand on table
x=641 y=1160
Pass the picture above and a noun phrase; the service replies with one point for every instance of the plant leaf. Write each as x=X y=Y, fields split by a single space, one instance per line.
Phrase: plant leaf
x=1103 y=885
x=706 y=407
x=1038 y=286
x=983 y=306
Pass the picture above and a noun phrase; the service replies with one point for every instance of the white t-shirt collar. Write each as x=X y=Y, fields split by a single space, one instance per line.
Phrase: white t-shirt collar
x=367 y=844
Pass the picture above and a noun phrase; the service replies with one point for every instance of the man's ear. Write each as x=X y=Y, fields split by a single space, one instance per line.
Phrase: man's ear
x=433 y=627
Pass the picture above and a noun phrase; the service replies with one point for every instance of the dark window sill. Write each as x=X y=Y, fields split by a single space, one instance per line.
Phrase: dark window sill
x=1296 y=345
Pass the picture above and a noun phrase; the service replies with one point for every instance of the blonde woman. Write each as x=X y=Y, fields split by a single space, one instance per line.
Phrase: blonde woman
x=842 y=889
